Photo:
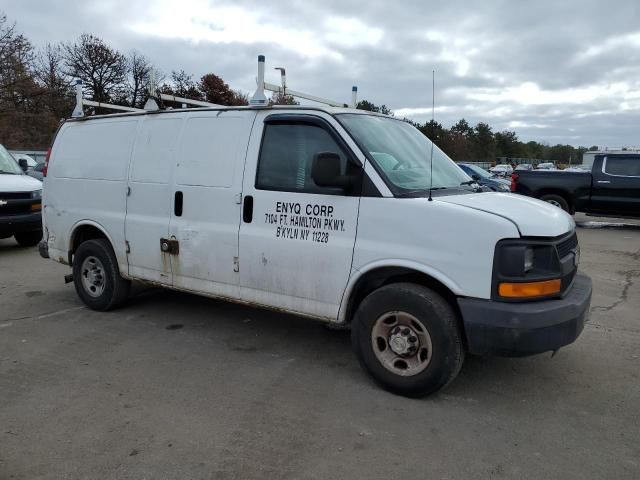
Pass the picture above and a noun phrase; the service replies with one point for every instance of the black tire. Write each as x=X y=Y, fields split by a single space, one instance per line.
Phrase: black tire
x=114 y=290
x=28 y=239
x=441 y=323
x=556 y=200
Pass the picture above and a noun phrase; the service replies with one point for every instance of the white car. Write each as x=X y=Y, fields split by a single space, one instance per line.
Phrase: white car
x=545 y=166
x=20 y=203
x=502 y=170
x=329 y=213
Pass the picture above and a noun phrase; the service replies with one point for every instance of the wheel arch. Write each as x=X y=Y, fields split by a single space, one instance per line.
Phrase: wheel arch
x=86 y=230
x=376 y=275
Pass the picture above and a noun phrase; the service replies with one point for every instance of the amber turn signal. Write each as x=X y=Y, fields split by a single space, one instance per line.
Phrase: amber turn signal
x=36 y=206
x=529 y=289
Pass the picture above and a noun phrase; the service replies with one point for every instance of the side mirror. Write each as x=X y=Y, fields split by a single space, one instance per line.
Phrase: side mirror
x=475 y=177
x=325 y=171
x=23 y=164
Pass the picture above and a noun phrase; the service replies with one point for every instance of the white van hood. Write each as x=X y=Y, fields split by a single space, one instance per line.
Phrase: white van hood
x=19 y=183
x=534 y=218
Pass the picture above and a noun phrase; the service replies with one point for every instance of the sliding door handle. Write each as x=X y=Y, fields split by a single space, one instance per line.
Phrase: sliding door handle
x=247 y=209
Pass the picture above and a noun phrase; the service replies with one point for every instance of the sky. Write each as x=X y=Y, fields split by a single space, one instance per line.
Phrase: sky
x=560 y=71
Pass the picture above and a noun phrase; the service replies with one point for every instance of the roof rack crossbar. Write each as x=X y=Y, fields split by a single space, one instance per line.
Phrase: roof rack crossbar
x=188 y=101
x=294 y=93
x=81 y=102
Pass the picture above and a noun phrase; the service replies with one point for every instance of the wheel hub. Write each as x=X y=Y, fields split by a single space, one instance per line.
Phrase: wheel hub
x=403 y=341
x=93 y=281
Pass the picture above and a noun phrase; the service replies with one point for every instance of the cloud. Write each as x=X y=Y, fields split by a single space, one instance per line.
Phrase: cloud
x=552 y=71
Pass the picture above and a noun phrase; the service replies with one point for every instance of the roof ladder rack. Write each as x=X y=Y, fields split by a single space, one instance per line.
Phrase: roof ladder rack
x=81 y=102
x=259 y=98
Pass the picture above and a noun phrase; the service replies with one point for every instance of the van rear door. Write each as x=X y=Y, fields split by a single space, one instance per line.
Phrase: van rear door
x=205 y=200
x=149 y=200
x=296 y=238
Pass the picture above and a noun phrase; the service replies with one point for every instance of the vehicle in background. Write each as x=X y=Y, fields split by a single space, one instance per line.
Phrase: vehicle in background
x=524 y=166
x=546 y=166
x=36 y=172
x=20 y=202
x=502 y=170
x=484 y=178
x=25 y=160
x=611 y=186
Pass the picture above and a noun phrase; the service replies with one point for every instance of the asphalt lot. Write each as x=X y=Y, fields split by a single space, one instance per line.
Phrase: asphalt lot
x=178 y=386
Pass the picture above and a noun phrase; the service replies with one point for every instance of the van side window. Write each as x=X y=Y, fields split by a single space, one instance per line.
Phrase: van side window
x=287 y=154
x=626 y=166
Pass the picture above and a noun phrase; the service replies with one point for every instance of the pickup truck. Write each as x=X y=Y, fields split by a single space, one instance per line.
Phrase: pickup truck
x=610 y=188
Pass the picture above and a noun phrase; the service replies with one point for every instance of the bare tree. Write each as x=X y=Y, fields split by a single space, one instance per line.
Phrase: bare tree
x=140 y=70
x=102 y=69
x=49 y=74
x=16 y=55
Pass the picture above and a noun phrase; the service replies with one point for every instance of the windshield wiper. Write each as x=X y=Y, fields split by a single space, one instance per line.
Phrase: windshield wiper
x=414 y=193
x=469 y=182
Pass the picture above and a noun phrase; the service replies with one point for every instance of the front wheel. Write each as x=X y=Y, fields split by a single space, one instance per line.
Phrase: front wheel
x=407 y=337
x=96 y=276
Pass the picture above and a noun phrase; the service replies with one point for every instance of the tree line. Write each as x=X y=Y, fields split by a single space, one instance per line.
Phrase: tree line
x=37 y=90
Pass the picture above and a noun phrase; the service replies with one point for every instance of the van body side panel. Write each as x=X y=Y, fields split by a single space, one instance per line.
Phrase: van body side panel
x=86 y=182
x=149 y=202
x=454 y=244
x=208 y=179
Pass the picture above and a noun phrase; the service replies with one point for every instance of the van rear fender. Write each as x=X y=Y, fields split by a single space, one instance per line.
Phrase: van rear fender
x=88 y=230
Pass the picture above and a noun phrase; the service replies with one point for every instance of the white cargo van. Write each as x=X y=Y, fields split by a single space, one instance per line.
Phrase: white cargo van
x=329 y=213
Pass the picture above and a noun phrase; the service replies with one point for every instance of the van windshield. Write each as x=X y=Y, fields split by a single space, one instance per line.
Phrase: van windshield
x=8 y=163
x=402 y=154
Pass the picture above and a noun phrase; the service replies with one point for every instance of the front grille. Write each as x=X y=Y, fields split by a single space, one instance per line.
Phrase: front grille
x=565 y=247
x=15 y=209
x=15 y=195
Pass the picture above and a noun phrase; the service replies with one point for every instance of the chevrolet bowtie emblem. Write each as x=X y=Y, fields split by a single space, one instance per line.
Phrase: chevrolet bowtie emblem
x=3 y=203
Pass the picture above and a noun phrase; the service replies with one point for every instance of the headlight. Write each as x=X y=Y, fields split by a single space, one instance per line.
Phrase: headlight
x=36 y=194
x=526 y=269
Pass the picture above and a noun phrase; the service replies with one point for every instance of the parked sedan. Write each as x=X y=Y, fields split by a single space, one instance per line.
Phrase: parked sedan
x=485 y=179
x=502 y=169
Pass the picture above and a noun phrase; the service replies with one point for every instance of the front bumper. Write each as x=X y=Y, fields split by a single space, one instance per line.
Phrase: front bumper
x=28 y=222
x=521 y=329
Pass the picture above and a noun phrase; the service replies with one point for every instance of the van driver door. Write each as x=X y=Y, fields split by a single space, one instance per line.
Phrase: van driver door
x=296 y=238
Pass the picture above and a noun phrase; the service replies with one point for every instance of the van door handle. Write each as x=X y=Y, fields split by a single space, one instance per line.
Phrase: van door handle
x=604 y=181
x=247 y=209
x=177 y=204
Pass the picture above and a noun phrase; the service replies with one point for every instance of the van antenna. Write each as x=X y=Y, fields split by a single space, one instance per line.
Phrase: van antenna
x=433 y=121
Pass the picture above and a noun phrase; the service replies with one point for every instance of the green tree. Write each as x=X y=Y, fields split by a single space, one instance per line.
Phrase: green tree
x=372 y=107
x=484 y=145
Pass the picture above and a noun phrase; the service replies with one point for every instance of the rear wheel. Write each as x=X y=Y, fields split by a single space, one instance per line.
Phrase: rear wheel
x=407 y=337
x=96 y=276
x=28 y=239
x=556 y=200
